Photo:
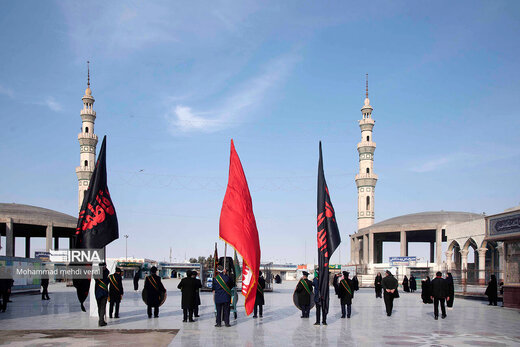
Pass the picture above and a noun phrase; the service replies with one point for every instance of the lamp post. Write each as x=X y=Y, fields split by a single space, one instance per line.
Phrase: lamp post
x=126 y=247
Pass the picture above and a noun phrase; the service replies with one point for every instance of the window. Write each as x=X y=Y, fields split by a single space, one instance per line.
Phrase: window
x=86 y=130
x=368 y=138
x=86 y=162
x=368 y=170
x=368 y=203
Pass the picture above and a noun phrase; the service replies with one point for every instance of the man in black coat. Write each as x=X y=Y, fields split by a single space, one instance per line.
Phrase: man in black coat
x=304 y=291
x=115 y=292
x=101 y=293
x=5 y=292
x=44 y=282
x=346 y=294
x=389 y=284
x=197 y=293
x=259 y=300
x=439 y=293
x=188 y=287
x=154 y=290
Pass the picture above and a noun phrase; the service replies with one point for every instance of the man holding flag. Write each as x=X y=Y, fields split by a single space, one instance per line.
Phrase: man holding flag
x=238 y=228
x=97 y=222
x=328 y=239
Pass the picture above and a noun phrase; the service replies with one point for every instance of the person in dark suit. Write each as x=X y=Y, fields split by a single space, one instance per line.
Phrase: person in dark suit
x=197 y=294
x=5 y=292
x=115 y=292
x=426 y=290
x=222 y=285
x=450 y=287
x=438 y=294
x=188 y=287
x=406 y=286
x=44 y=282
x=304 y=291
x=137 y=276
x=154 y=290
x=413 y=284
x=346 y=294
x=101 y=292
x=355 y=283
x=492 y=291
x=389 y=284
x=320 y=310
x=259 y=300
x=378 y=286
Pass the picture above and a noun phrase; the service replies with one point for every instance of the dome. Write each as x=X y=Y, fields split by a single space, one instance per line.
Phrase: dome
x=367 y=102
x=88 y=91
x=36 y=215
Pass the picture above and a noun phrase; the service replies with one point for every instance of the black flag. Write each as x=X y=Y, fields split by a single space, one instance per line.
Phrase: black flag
x=328 y=235
x=97 y=222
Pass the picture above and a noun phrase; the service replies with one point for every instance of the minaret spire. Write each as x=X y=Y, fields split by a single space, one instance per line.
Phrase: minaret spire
x=366 y=94
x=88 y=74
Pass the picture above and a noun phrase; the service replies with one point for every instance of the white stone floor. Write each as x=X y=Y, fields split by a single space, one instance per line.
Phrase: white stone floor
x=469 y=323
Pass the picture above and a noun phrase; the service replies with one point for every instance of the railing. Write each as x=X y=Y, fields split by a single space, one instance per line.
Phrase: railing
x=366 y=144
x=88 y=111
x=87 y=136
x=366 y=175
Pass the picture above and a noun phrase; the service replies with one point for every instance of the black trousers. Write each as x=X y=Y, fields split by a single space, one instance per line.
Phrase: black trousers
x=5 y=299
x=320 y=309
x=389 y=302
x=223 y=313
x=196 y=311
x=155 y=311
x=436 y=306
x=45 y=293
x=186 y=312
x=449 y=303
x=102 y=308
x=306 y=309
x=258 y=308
x=348 y=310
x=112 y=304
x=493 y=299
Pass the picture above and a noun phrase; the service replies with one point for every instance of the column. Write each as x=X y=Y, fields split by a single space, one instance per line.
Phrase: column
x=56 y=242
x=356 y=250
x=352 y=250
x=464 y=265
x=403 y=243
x=438 y=246
x=365 y=249
x=9 y=239
x=482 y=265
x=71 y=242
x=432 y=252
x=449 y=255
x=501 y=262
x=48 y=237
x=370 y=247
x=27 y=247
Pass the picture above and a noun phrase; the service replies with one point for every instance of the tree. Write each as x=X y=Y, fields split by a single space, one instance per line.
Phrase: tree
x=193 y=260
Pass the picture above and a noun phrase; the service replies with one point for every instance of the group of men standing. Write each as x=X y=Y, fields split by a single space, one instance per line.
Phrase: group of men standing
x=108 y=288
x=190 y=288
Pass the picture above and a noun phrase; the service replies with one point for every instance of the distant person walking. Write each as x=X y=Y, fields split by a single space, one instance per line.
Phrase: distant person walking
x=355 y=283
x=450 y=287
x=426 y=290
x=5 y=292
x=154 y=290
x=115 y=292
x=137 y=276
x=406 y=287
x=439 y=293
x=188 y=287
x=346 y=294
x=259 y=300
x=304 y=291
x=389 y=284
x=378 y=286
x=44 y=282
x=413 y=284
x=492 y=291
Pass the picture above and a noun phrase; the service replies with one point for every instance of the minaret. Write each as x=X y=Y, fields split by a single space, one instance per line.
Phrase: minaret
x=366 y=179
x=87 y=142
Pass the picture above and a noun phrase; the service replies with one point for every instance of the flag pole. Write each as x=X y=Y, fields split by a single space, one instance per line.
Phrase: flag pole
x=225 y=254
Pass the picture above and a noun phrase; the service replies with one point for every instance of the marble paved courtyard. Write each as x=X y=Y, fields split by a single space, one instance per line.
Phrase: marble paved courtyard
x=30 y=321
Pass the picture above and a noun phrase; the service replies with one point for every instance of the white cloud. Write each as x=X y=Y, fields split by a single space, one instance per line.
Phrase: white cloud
x=6 y=91
x=433 y=164
x=231 y=110
x=52 y=104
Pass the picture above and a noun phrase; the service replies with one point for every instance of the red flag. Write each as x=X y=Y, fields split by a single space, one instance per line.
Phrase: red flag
x=238 y=228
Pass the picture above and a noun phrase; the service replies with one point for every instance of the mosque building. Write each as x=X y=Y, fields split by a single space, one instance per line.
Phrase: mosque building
x=459 y=232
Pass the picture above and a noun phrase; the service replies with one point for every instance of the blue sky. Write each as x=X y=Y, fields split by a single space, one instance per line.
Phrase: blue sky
x=174 y=82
